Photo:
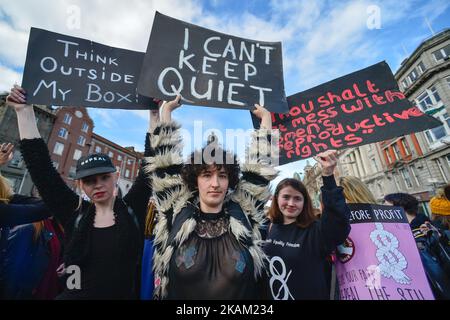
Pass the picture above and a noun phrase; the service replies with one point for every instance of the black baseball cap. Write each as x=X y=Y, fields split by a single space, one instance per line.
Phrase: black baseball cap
x=92 y=164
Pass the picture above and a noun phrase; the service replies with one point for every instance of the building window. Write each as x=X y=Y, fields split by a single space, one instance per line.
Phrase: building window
x=416 y=177
x=435 y=94
x=98 y=149
x=441 y=169
x=56 y=164
x=448 y=160
x=388 y=156
x=446 y=119
x=396 y=151
x=119 y=157
x=129 y=161
x=428 y=99
x=72 y=172
x=412 y=76
x=406 y=177
x=85 y=127
x=58 y=149
x=380 y=189
x=397 y=184
x=111 y=154
x=440 y=132
x=406 y=147
x=63 y=133
x=421 y=67
x=77 y=154
x=127 y=173
x=405 y=84
x=67 y=118
x=374 y=164
x=442 y=53
x=81 y=141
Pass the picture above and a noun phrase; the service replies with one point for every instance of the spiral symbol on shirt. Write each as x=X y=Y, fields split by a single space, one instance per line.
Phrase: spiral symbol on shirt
x=281 y=277
x=392 y=262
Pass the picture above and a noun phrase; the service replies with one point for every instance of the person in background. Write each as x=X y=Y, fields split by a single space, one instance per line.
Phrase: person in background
x=104 y=236
x=208 y=215
x=298 y=243
x=16 y=209
x=411 y=207
x=440 y=208
x=30 y=243
x=356 y=191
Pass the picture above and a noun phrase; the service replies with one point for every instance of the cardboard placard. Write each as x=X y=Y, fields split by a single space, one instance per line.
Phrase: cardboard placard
x=209 y=68
x=380 y=260
x=68 y=71
x=360 y=108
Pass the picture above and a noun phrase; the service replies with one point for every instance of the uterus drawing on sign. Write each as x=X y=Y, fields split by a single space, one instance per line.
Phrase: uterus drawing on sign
x=392 y=262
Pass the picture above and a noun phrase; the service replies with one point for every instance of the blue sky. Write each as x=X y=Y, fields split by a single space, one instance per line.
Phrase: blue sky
x=322 y=40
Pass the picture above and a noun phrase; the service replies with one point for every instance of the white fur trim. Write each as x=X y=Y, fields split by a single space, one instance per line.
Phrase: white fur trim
x=185 y=230
x=166 y=182
x=238 y=229
x=170 y=158
x=266 y=171
x=259 y=258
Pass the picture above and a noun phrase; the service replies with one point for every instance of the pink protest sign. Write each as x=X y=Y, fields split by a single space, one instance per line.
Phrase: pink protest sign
x=380 y=259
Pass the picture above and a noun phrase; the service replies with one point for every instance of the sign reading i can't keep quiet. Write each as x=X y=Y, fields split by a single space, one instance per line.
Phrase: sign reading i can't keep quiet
x=209 y=68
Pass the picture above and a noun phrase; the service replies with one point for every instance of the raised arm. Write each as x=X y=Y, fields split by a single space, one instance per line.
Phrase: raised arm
x=164 y=167
x=61 y=200
x=16 y=214
x=252 y=192
x=335 y=221
x=141 y=191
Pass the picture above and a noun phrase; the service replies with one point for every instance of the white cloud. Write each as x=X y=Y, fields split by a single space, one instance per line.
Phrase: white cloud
x=8 y=78
x=106 y=117
x=124 y=24
x=14 y=44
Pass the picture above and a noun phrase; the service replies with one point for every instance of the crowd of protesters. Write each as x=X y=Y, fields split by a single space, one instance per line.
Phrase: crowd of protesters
x=194 y=229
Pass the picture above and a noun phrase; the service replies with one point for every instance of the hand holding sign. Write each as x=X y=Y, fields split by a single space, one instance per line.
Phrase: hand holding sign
x=167 y=108
x=264 y=115
x=328 y=161
x=17 y=98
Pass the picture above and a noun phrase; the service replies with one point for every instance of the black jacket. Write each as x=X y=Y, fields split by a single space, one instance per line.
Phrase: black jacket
x=63 y=203
x=297 y=256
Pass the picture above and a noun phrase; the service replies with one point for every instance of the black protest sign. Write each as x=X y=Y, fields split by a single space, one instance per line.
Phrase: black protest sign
x=68 y=71
x=209 y=68
x=360 y=108
x=373 y=213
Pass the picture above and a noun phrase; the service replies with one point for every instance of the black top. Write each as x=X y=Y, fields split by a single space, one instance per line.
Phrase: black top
x=106 y=276
x=418 y=220
x=85 y=246
x=212 y=264
x=297 y=255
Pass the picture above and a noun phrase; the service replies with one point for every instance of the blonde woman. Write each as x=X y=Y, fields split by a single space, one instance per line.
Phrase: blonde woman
x=355 y=191
x=16 y=209
x=105 y=235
